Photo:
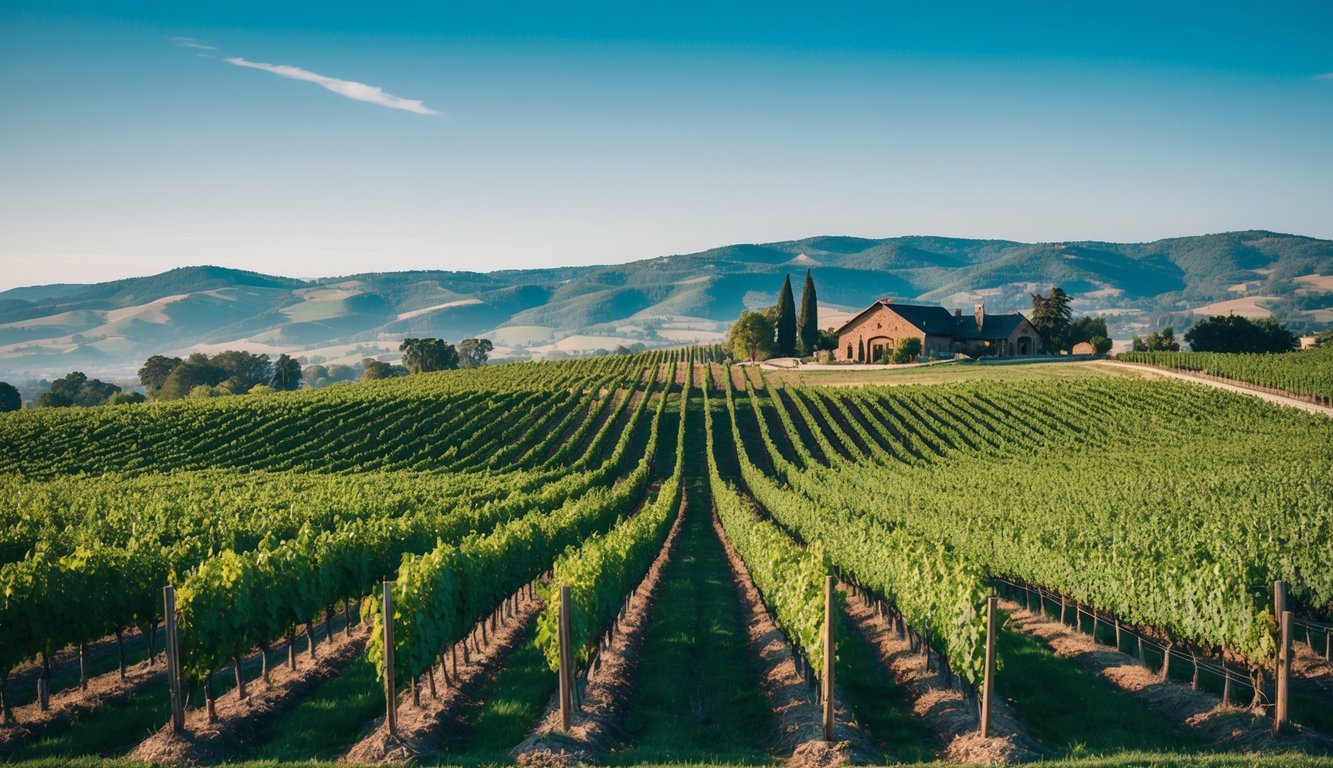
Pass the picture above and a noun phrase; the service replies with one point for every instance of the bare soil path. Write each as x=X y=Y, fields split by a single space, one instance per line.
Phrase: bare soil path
x=948 y=712
x=426 y=726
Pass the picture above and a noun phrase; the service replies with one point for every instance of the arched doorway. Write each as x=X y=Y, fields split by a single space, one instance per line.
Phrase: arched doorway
x=1024 y=345
x=879 y=348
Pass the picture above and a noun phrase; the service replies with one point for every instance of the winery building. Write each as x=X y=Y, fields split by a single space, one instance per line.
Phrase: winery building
x=876 y=331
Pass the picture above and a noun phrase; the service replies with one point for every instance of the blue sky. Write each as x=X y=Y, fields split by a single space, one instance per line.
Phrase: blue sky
x=323 y=138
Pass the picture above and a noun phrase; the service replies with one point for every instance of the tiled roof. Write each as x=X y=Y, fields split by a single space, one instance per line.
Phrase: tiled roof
x=938 y=321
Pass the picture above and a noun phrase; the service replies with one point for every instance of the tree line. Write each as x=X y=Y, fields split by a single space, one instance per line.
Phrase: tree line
x=236 y=372
x=779 y=330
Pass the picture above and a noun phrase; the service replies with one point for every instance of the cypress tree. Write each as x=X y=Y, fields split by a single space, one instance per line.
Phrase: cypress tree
x=807 y=323
x=786 y=320
x=860 y=350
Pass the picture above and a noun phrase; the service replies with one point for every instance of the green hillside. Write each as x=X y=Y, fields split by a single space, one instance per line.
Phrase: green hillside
x=111 y=327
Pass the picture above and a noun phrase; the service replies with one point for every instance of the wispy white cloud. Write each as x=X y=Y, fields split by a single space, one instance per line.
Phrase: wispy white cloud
x=190 y=42
x=349 y=88
x=1325 y=76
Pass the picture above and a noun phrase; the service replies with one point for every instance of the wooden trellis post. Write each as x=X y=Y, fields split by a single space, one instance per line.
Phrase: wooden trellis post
x=829 y=652
x=173 y=660
x=988 y=682
x=566 y=662
x=390 y=687
x=1281 y=715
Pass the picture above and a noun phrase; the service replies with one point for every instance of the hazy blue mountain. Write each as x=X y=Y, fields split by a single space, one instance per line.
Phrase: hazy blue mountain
x=112 y=327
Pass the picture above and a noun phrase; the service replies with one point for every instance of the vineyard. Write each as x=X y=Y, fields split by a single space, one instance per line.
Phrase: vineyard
x=1307 y=374
x=626 y=560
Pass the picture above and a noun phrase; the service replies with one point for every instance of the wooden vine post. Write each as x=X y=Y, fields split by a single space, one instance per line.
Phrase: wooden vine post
x=1281 y=715
x=566 y=662
x=390 y=687
x=173 y=661
x=988 y=682
x=829 y=652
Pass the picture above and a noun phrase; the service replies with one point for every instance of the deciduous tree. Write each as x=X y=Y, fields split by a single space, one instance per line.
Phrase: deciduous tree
x=1233 y=333
x=155 y=371
x=473 y=353
x=286 y=374
x=751 y=336
x=427 y=355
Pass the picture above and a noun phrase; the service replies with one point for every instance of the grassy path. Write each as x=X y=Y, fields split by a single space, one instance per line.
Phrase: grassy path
x=1073 y=712
x=327 y=722
x=697 y=697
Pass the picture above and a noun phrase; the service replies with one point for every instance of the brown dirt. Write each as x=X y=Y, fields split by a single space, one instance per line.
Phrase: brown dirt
x=24 y=676
x=72 y=703
x=798 y=715
x=1312 y=669
x=1225 y=725
x=239 y=718
x=950 y=713
x=597 y=726
x=427 y=728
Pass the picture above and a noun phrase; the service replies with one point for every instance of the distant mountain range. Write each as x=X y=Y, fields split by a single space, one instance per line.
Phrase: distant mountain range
x=110 y=328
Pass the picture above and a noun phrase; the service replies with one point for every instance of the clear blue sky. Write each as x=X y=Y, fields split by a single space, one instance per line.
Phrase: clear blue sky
x=325 y=138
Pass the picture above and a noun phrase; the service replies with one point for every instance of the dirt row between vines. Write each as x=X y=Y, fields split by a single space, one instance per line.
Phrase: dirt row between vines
x=1201 y=712
x=74 y=703
x=597 y=724
x=799 y=716
x=238 y=719
x=425 y=727
x=947 y=711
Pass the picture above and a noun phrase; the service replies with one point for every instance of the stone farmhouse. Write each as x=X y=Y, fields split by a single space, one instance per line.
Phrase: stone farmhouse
x=878 y=329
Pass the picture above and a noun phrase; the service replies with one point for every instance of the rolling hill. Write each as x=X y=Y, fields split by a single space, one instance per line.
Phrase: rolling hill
x=110 y=328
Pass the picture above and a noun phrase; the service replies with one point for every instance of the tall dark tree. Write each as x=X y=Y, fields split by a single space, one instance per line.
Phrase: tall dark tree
x=1052 y=318
x=786 y=320
x=155 y=371
x=860 y=350
x=807 y=322
x=9 y=397
x=286 y=373
x=473 y=353
x=1086 y=328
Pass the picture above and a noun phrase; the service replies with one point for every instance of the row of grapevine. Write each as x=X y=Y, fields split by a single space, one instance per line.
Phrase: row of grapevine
x=440 y=595
x=938 y=592
x=1185 y=537
x=606 y=568
x=790 y=578
x=1307 y=374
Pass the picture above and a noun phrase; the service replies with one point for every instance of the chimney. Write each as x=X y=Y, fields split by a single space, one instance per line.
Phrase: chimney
x=957 y=312
x=981 y=315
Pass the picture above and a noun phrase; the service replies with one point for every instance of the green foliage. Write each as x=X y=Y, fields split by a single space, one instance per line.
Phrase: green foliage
x=286 y=374
x=1233 y=333
x=751 y=337
x=1100 y=344
x=373 y=370
x=76 y=389
x=785 y=322
x=428 y=355
x=9 y=398
x=1304 y=374
x=1164 y=341
x=907 y=350
x=1085 y=328
x=1052 y=318
x=807 y=322
x=155 y=371
x=474 y=352
x=1324 y=338
x=247 y=368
